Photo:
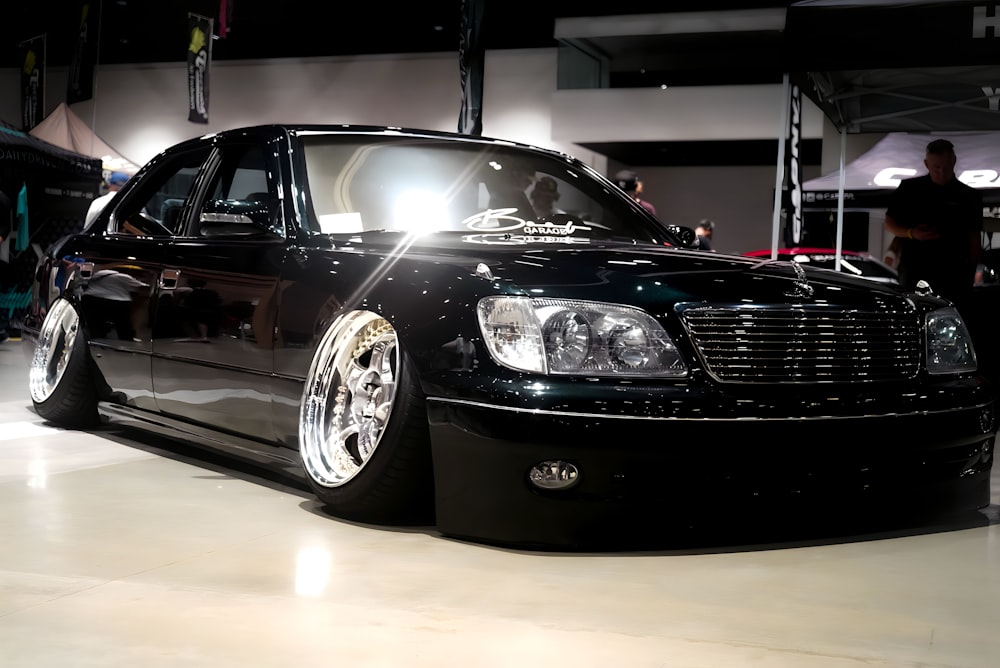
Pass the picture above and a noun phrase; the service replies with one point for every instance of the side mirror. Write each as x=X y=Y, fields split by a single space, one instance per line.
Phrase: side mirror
x=235 y=217
x=686 y=235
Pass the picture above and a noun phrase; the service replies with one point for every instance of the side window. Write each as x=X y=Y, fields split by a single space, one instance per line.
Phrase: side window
x=242 y=196
x=154 y=206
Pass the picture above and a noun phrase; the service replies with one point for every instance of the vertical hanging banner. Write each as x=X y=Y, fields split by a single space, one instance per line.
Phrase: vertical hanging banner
x=225 y=17
x=31 y=55
x=794 y=168
x=80 y=85
x=199 y=59
x=471 y=63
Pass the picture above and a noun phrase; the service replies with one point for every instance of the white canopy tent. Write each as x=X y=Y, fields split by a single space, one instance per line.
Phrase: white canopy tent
x=68 y=131
x=871 y=66
x=871 y=177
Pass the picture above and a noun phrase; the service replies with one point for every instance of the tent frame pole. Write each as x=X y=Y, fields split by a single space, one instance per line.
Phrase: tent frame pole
x=840 y=197
x=780 y=170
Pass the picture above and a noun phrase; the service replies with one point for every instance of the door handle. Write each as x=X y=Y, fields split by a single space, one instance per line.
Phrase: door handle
x=168 y=279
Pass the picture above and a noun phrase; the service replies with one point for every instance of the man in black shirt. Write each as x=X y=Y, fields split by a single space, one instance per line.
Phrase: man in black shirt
x=938 y=220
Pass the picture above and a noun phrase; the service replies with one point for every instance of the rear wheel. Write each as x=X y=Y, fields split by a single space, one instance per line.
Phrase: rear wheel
x=363 y=427
x=59 y=379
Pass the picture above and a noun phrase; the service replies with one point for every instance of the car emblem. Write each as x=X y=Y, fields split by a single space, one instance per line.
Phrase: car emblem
x=483 y=271
x=802 y=289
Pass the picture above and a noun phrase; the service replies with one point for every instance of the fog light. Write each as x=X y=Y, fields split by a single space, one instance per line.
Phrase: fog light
x=554 y=474
x=986 y=418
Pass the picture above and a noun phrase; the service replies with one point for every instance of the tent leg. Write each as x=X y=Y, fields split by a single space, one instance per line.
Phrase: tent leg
x=840 y=198
x=780 y=169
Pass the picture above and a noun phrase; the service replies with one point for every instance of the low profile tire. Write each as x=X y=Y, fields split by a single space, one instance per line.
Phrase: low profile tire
x=59 y=379
x=363 y=433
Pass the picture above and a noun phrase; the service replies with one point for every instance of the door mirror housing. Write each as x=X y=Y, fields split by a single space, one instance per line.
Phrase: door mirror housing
x=235 y=217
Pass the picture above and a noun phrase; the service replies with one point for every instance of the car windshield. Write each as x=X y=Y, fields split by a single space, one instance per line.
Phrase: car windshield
x=485 y=192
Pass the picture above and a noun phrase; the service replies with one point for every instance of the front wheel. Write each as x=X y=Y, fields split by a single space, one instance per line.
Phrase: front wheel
x=363 y=432
x=59 y=379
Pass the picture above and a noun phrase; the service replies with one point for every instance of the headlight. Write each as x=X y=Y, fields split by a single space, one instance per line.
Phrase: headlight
x=564 y=336
x=949 y=346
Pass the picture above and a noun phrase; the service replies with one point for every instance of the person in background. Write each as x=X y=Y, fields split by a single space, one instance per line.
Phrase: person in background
x=629 y=181
x=938 y=221
x=507 y=189
x=544 y=196
x=704 y=231
x=115 y=181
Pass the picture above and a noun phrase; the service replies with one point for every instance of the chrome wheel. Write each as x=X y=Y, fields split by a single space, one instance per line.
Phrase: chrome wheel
x=54 y=350
x=61 y=376
x=349 y=398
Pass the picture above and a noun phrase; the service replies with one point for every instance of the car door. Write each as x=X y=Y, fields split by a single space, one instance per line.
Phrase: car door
x=212 y=354
x=120 y=268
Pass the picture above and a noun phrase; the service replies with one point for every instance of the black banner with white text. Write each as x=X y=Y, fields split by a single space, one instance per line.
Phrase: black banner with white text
x=31 y=56
x=471 y=63
x=793 y=168
x=199 y=60
x=80 y=85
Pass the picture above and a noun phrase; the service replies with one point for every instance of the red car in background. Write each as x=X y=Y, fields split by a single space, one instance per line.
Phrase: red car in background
x=854 y=263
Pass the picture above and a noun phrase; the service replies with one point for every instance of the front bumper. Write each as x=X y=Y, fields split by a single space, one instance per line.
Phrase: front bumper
x=640 y=479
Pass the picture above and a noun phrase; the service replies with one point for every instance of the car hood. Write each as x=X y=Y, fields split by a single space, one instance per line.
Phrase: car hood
x=650 y=276
x=644 y=275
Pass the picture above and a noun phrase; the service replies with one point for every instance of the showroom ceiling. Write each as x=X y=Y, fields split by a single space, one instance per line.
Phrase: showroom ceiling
x=643 y=44
x=135 y=31
x=718 y=42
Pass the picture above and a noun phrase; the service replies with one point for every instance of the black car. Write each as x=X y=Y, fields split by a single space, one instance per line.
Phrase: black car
x=384 y=311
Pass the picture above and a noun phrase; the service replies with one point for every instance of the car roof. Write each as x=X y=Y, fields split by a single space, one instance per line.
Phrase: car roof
x=347 y=129
x=384 y=130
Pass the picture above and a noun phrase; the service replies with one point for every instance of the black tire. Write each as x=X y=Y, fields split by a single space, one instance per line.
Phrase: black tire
x=363 y=435
x=60 y=380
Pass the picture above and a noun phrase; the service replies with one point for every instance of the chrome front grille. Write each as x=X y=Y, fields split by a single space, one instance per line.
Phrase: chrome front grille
x=806 y=344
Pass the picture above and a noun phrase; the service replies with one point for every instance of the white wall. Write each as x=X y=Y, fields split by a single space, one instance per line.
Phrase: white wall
x=141 y=109
x=681 y=113
x=739 y=199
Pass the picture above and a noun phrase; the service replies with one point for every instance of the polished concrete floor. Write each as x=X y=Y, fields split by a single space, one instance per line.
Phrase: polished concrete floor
x=125 y=551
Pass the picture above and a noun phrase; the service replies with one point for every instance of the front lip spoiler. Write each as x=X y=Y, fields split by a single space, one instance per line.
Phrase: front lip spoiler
x=672 y=418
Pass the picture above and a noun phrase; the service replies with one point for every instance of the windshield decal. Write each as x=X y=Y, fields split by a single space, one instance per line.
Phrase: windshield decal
x=520 y=239
x=500 y=220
